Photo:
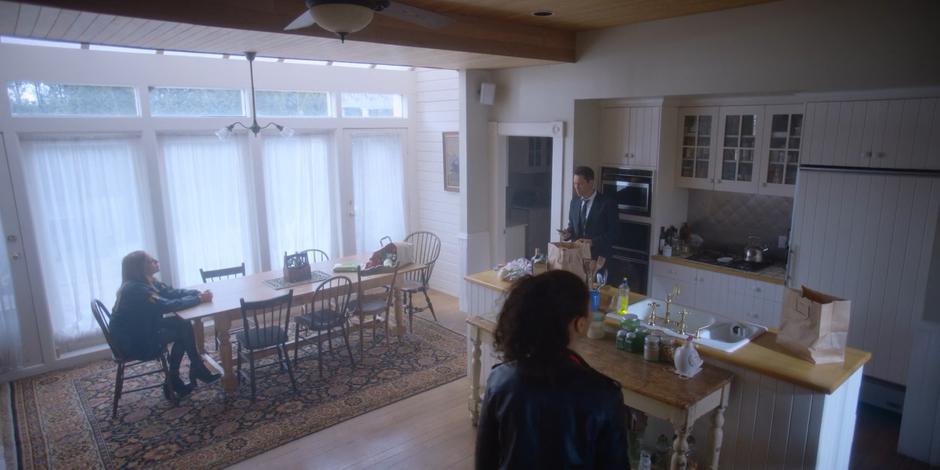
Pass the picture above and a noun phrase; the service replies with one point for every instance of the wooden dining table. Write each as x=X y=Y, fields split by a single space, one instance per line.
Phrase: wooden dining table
x=225 y=307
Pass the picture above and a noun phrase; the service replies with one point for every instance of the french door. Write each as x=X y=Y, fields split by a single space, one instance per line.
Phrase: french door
x=21 y=345
x=374 y=198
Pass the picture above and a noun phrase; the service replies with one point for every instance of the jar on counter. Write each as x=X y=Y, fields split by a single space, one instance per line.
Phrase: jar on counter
x=624 y=339
x=651 y=348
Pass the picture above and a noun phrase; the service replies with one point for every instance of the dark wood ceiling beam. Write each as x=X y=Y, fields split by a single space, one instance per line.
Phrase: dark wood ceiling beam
x=466 y=34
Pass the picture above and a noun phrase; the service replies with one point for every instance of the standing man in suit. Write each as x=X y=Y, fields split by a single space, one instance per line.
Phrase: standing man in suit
x=591 y=216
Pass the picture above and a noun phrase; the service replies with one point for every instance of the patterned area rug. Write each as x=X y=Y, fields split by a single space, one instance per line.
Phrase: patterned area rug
x=63 y=419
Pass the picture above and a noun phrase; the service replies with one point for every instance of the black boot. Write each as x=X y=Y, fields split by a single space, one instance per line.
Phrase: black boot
x=179 y=387
x=198 y=370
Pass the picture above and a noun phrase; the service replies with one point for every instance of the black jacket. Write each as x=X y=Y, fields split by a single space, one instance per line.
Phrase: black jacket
x=573 y=418
x=601 y=227
x=138 y=309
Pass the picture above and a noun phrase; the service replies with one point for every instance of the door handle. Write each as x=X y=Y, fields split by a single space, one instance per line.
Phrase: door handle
x=11 y=238
x=15 y=256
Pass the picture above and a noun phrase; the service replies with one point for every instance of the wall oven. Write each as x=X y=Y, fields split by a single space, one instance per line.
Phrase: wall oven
x=632 y=189
x=631 y=255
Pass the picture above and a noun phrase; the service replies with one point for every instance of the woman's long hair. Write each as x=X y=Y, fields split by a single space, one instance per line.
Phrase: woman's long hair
x=134 y=268
x=533 y=325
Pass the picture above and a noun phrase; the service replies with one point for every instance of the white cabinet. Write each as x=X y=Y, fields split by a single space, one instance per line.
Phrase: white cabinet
x=732 y=297
x=630 y=136
x=780 y=149
x=736 y=163
x=748 y=149
x=697 y=130
x=903 y=133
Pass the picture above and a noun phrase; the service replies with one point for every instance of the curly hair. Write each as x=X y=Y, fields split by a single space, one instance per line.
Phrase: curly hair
x=533 y=323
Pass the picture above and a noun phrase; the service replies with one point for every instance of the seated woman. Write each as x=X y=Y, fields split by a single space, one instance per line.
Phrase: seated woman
x=545 y=407
x=139 y=328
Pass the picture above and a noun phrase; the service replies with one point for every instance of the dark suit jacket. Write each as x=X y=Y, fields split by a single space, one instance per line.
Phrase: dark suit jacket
x=601 y=225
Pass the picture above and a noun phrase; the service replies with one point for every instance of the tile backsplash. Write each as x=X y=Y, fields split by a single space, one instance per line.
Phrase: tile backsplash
x=724 y=219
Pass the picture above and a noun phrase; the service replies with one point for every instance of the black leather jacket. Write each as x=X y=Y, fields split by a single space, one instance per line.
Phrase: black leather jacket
x=573 y=417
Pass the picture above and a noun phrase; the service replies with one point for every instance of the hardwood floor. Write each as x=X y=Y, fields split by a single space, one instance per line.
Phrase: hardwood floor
x=429 y=430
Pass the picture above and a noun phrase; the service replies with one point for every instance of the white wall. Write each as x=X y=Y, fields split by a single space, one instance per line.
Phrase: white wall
x=777 y=47
x=436 y=110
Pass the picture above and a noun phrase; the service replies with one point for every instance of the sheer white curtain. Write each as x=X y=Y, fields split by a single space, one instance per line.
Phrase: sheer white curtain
x=10 y=344
x=208 y=205
x=88 y=201
x=299 y=195
x=377 y=187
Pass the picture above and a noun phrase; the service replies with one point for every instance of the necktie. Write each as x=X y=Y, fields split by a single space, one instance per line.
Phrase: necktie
x=584 y=206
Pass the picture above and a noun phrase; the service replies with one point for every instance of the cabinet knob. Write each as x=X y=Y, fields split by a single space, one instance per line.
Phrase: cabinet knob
x=867 y=154
x=757 y=289
x=719 y=181
x=881 y=154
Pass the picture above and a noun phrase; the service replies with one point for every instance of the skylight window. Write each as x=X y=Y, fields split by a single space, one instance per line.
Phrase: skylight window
x=354 y=65
x=306 y=62
x=39 y=42
x=130 y=50
x=204 y=55
x=403 y=68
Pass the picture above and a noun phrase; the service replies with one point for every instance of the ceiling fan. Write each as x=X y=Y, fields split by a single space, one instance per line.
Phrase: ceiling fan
x=348 y=16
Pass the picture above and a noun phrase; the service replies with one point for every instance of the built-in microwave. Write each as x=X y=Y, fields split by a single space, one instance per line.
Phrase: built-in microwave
x=632 y=189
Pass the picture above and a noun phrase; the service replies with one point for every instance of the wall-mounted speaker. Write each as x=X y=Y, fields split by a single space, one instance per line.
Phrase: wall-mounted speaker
x=487 y=93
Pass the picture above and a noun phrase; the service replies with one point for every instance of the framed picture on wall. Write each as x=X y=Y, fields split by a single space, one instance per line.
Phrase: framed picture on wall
x=451 y=162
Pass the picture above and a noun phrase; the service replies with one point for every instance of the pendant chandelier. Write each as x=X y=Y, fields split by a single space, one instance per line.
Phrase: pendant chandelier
x=228 y=130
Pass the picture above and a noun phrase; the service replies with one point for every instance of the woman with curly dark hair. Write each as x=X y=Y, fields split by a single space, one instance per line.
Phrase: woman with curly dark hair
x=545 y=407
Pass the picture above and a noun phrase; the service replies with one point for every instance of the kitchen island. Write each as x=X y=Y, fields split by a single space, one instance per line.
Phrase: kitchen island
x=782 y=412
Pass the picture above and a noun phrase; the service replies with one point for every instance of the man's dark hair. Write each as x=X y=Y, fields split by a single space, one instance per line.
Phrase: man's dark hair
x=533 y=324
x=585 y=172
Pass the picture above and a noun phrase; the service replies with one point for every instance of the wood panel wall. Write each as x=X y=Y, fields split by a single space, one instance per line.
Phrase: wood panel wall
x=863 y=237
x=437 y=111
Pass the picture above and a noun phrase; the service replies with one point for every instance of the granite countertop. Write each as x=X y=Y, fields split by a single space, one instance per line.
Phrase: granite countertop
x=775 y=273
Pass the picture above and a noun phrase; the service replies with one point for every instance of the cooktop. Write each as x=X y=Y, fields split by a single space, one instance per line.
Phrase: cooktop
x=711 y=257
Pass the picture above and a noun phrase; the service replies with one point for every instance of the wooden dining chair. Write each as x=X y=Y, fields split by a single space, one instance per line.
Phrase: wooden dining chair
x=264 y=332
x=427 y=248
x=223 y=273
x=327 y=311
x=103 y=317
x=213 y=275
x=316 y=256
x=374 y=303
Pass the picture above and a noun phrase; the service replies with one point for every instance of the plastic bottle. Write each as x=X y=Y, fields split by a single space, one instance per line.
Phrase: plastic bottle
x=624 y=297
x=596 y=327
x=645 y=463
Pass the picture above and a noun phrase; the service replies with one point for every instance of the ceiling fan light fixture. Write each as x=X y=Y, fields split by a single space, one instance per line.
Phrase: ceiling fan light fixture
x=342 y=18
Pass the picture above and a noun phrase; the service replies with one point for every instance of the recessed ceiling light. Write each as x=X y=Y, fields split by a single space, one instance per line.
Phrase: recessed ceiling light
x=543 y=13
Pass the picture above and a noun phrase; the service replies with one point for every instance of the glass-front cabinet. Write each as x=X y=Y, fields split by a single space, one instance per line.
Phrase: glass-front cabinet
x=698 y=130
x=737 y=169
x=748 y=149
x=781 y=149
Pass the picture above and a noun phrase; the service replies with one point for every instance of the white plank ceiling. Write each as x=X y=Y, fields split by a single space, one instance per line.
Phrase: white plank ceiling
x=31 y=21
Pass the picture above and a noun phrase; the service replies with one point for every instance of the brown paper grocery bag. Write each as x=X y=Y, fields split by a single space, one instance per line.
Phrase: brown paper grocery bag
x=814 y=326
x=569 y=256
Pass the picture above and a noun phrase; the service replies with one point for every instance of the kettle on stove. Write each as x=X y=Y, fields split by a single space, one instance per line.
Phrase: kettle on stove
x=755 y=249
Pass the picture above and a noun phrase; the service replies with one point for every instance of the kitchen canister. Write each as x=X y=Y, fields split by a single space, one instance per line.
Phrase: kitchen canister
x=651 y=348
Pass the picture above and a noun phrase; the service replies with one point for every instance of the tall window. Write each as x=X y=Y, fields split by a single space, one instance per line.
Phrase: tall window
x=88 y=202
x=377 y=187
x=299 y=195
x=208 y=208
